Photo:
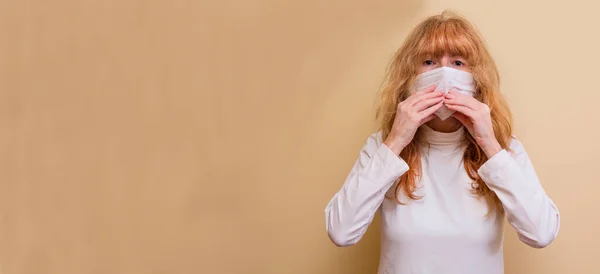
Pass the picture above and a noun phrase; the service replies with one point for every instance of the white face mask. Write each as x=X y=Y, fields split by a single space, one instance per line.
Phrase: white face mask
x=446 y=79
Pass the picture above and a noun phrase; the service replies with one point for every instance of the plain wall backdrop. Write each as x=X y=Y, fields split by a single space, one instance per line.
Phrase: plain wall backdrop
x=207 y=137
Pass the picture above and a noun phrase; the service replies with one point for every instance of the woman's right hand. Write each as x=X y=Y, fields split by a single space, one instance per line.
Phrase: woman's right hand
x=411 y=113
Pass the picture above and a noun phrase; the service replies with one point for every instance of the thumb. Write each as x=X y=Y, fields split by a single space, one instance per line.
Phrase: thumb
x=463 y=119
x=428 y=118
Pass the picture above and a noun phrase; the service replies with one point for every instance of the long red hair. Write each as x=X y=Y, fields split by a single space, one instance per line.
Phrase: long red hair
x=439 y=34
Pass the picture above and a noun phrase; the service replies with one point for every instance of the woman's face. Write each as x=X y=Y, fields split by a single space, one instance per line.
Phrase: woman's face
x=446 y=60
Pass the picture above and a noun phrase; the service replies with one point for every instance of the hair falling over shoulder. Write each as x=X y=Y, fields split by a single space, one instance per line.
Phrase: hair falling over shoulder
x=447 y=32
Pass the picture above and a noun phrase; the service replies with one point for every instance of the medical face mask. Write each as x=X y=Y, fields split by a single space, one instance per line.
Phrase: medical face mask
x=446 y=79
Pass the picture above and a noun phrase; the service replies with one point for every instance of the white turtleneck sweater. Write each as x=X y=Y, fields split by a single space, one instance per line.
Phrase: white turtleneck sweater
x=447 y=231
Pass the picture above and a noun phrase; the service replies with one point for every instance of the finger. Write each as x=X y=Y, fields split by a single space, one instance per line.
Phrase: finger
x=423 y=104
x=428 y=89
x=462 y=109
x=431 y=110
x=456 y=98
x=428 y=118
x=466 y=121
x=416 y=98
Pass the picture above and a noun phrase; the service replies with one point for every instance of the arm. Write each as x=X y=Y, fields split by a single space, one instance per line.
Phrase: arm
x=512 y=177
x=352 y=208
x=529 y=210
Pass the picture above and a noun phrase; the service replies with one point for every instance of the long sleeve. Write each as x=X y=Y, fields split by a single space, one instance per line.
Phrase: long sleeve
x=353 y=207
x=528 y=208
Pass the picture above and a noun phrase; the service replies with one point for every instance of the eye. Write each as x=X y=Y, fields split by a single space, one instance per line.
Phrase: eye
x=428 y=63
x=459 y=63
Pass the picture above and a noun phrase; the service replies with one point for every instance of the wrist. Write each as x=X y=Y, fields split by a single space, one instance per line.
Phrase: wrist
x=492 y=148
x=394 y=144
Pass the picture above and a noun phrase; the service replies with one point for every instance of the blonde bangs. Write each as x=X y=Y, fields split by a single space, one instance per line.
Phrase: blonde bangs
x=450 y=36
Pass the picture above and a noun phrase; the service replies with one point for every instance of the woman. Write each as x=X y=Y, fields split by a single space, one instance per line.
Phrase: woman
x=444 y=168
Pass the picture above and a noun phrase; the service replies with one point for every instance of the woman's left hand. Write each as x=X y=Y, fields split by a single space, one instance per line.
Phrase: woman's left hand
x=475 y=116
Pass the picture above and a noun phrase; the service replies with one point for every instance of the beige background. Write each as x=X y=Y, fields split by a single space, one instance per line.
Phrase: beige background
x=188 y=137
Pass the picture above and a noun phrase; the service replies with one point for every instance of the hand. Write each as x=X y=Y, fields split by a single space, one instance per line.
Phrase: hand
x=410 y=115
x=475 y=116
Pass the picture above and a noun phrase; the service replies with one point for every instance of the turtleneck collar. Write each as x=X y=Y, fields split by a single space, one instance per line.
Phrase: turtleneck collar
x=442 y=138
